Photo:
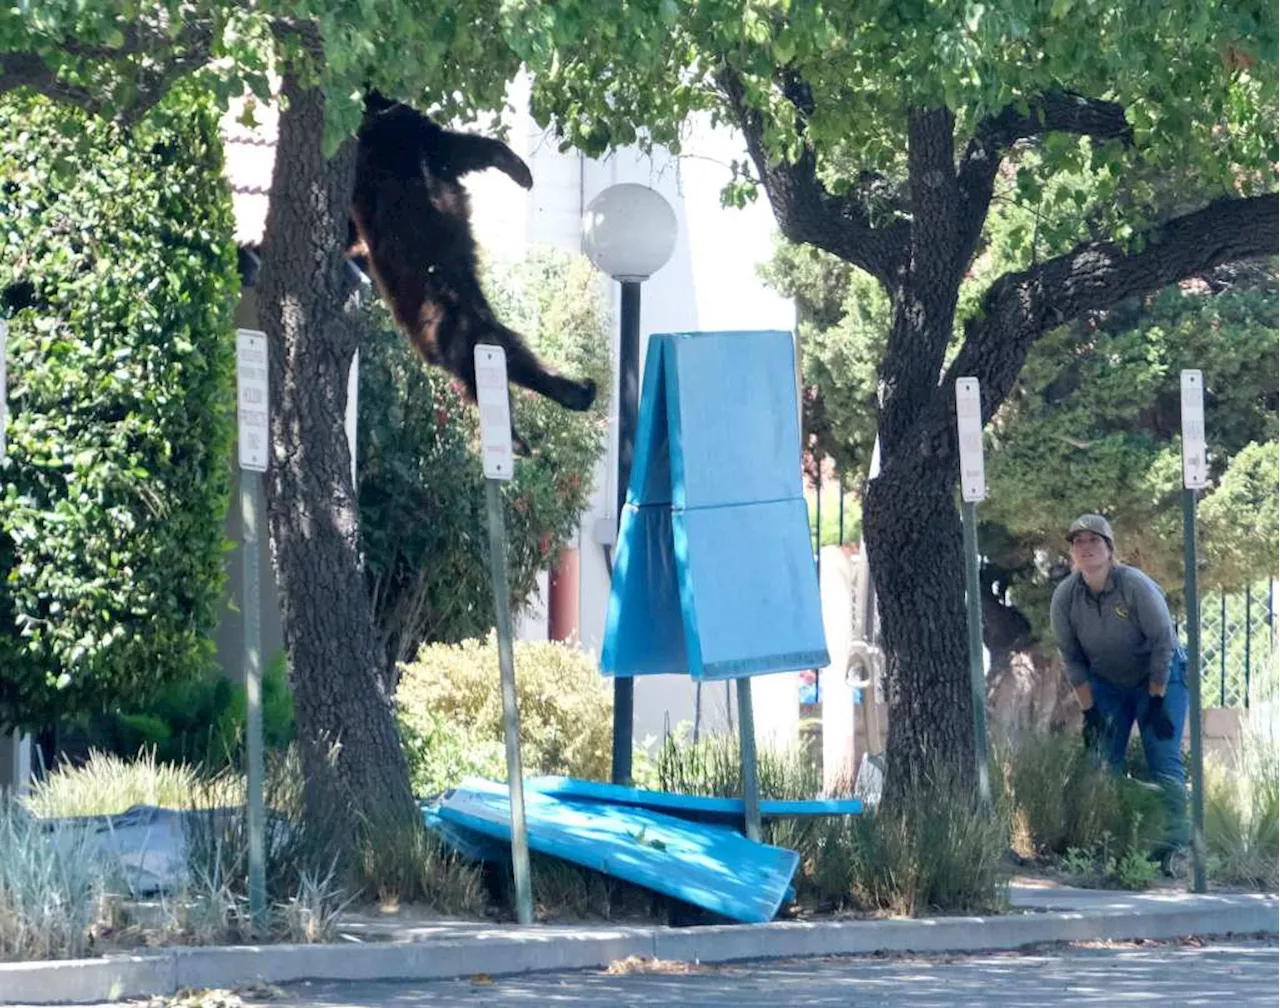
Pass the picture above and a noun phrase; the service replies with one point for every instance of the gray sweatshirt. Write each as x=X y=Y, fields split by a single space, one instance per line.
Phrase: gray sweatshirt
x=1123 y=634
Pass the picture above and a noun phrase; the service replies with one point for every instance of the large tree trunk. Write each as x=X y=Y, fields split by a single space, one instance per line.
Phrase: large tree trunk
x=343 y=711
x=914 y=545
x=911 y=521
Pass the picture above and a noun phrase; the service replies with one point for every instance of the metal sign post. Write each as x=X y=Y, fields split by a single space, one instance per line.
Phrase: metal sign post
x=494 y=401
x=1194 y=477
x=750 y=767
x=973 y=488
x=252 y=399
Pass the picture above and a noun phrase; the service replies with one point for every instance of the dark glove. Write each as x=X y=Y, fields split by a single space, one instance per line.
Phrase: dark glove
x=1094 y=727
x=1157 y=719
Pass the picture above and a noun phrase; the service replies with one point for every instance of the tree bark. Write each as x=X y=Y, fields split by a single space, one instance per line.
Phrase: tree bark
x=913 y=528
x=307 y=291
x=805 y=210
x=914 y=545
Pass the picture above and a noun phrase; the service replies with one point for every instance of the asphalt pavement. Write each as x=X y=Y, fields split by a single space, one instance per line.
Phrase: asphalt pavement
x=1237 y=973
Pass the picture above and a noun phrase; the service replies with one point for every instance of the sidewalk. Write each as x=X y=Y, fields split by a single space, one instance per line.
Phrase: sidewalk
x=1041 y=913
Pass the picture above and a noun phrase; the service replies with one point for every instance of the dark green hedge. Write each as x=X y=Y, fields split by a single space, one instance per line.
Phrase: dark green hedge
x=116 y=250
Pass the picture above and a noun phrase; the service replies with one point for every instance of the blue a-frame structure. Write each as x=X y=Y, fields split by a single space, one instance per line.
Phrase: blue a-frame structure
x=714 y=572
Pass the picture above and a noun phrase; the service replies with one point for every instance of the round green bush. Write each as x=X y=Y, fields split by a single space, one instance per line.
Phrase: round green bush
x=450 y=713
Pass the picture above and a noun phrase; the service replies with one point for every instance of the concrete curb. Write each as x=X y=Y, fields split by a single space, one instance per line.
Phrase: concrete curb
x=960 y=934
x=508 y=951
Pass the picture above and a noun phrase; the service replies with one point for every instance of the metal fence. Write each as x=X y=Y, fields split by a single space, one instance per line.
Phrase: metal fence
x=1238 y=646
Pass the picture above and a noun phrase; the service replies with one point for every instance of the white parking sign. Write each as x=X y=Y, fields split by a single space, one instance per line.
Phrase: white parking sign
x=973 y=476
x=494 y=401
x=1195 y=465
x=252 y=400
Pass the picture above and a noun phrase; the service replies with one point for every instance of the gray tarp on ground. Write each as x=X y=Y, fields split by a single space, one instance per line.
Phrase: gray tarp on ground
x=146 y=843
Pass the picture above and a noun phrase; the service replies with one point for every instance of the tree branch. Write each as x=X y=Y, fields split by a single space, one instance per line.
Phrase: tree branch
x=1057 y=112
x=151 y=60
x=803 y=207
x=925 y=301
x=27 y=70
x=131 y=46
x=1020 y=307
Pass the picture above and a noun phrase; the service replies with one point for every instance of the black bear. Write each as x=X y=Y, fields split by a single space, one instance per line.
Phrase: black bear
x=411 y=220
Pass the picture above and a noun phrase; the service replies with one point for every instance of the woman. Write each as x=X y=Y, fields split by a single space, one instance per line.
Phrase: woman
x=1121 y=654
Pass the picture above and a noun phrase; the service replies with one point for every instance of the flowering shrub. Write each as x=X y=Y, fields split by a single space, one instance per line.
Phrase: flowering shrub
x=422 y=506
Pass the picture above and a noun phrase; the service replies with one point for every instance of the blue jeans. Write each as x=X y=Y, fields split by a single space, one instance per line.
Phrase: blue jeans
x=1120 y=707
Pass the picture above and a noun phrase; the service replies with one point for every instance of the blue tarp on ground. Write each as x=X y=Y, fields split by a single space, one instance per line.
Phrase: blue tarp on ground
x=694 y=807
x=710 y=866
x=714 y=572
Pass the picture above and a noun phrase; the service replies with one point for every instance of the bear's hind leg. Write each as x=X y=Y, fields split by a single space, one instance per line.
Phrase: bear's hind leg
x=526 y=370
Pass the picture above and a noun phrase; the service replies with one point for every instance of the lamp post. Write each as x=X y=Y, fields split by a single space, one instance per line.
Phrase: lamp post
x=629 y=232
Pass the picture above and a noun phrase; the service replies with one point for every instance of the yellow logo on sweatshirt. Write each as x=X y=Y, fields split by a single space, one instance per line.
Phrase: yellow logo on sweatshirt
x=1122 y=611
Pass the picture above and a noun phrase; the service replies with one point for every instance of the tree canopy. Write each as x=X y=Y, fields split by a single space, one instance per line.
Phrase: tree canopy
x=1092 y=423
x=118 y=60
x=880 y=132
x=883 y=133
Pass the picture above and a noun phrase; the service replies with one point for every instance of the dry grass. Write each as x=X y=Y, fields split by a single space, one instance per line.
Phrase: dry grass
x=1242 y=816
x=54 y=888
x=108 y=785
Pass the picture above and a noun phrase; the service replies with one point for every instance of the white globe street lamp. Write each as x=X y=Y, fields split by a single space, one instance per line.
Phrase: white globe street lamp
x=629 y=232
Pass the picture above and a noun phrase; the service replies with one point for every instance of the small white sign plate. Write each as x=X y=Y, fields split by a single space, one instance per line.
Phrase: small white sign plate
x=973 y=476
x=494 y=401
x=253 y=427
x=1195 y=464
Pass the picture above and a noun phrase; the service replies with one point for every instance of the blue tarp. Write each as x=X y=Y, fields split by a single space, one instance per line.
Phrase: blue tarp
x=710 y=866
x=696 y=807
x=714 y=573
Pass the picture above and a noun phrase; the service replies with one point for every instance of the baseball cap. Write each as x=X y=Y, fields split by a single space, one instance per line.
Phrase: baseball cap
x=1091 y=523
